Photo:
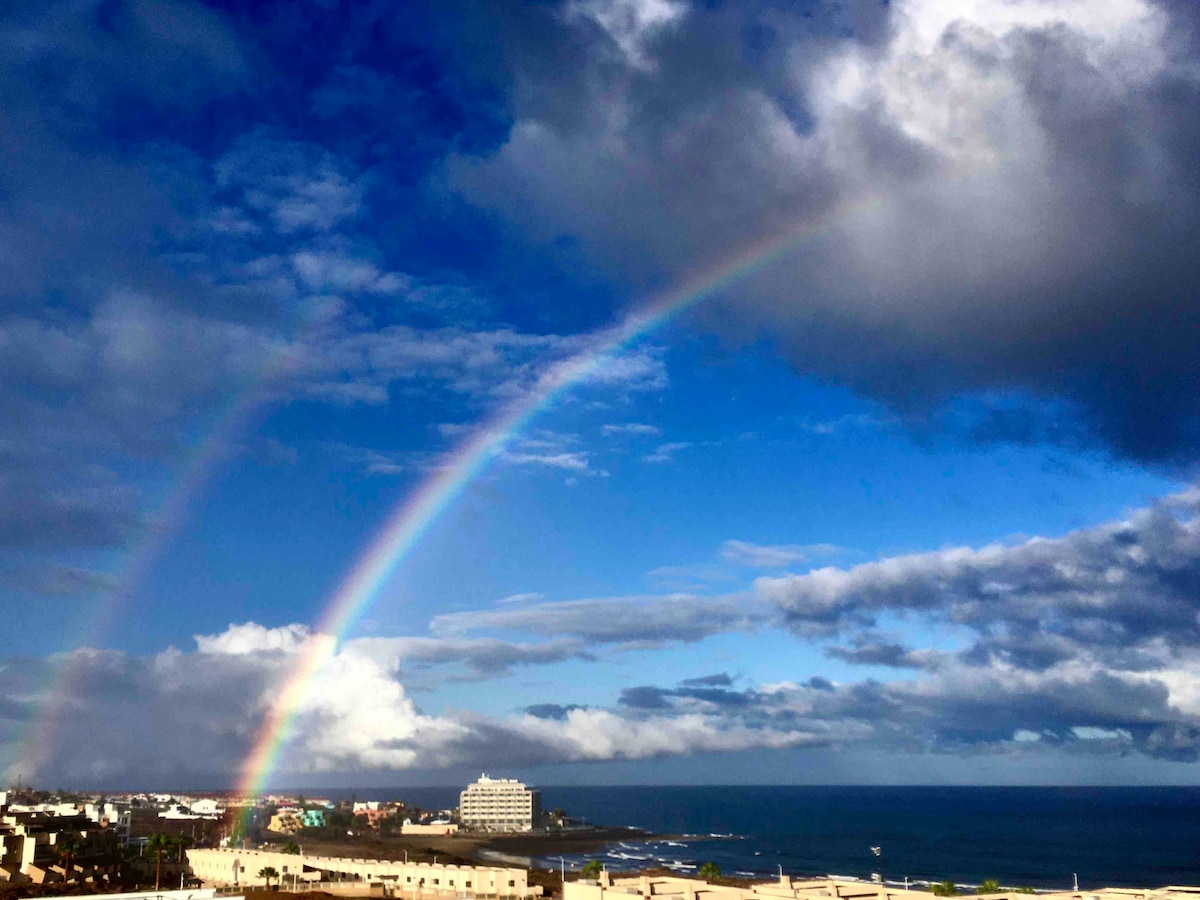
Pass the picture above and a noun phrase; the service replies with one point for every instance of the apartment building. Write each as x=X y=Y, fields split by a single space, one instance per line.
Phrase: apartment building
x=500 y=804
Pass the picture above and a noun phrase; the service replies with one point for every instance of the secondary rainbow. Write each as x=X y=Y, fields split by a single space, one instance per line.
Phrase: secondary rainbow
x=417 y=513
x=56 y=694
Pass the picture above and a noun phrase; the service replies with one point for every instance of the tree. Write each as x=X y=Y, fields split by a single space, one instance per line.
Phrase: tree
x=709 y=871
x=944 y=889
x=292 y=847
x=158 y=844
x=267 y=873
x=67 y=849
x=990 y=886
x=591 y=869
x=182 y=842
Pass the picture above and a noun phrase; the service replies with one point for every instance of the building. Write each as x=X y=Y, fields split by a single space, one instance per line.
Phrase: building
x=500 y=804
x=438 y=828
x=43 y=848
x=786 y=888
x=179 y=811
x=286 y=821
x=313 y=818
x=361 y=877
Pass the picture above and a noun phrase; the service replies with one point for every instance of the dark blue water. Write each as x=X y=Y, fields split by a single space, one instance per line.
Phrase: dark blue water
x=1021 y=836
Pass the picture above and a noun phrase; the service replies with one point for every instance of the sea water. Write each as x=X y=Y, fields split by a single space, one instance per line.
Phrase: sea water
x=1035 y=836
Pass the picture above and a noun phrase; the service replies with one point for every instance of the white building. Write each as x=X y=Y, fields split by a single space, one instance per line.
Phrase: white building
x=500 y=804
x=359 y=877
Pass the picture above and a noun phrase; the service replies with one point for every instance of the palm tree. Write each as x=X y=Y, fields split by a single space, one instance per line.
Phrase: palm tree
x=944 y=889
x=989 y=886
x=591 y=869
x=159 y=844
x=267 y=873
x=182 y=842
x=67 y=849
x=709 y=871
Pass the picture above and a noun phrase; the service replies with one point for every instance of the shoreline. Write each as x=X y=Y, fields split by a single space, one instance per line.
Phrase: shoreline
x=468 y=848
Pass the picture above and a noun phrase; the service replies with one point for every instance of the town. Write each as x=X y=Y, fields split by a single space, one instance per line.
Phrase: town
x=137 y=846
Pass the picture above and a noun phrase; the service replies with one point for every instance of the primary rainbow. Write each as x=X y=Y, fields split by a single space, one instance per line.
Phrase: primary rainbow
x=413 y=517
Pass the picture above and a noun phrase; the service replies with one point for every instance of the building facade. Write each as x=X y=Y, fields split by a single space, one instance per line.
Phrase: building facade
x=344 y=875
x=654 y=887
x=500 y=804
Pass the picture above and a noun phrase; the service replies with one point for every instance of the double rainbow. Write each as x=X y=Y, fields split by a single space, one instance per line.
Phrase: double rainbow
x=410 y=521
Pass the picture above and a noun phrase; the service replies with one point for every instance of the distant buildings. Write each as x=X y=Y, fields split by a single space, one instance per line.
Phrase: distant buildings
x=500 y=804
x=290 y=819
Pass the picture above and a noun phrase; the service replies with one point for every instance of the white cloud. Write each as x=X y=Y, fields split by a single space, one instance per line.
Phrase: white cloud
x=355 y=714
x=665 y=453
x=773 y=556
x=637 y=429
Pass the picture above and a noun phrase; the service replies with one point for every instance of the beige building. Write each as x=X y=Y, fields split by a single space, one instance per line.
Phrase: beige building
x=285 y=822
x=345 y=875
x=439 y=828
x=671 y=888
x=34 y=849
x=499 y=804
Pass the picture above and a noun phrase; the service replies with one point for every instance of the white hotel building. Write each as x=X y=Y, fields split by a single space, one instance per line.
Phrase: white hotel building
x=499 y=804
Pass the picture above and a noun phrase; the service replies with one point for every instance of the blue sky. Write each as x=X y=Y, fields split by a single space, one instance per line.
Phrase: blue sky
x=912 y=498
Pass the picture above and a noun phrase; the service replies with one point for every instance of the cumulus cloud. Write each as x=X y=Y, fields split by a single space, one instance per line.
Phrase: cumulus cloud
x=208 y=704
x=955 y=152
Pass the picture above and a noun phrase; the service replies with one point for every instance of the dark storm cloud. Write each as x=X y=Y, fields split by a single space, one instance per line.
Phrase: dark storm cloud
x=1036 y=200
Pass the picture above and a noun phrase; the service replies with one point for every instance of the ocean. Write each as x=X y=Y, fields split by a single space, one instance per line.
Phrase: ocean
x=1024 y=836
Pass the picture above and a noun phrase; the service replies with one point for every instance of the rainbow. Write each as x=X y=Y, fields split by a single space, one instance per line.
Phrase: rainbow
x=56 y=692
x=413 y=518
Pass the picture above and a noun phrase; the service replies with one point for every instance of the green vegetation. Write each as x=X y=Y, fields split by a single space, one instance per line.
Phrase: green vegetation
x=1024 y=890
x=709 y=871
x=158 y=844
x=267 y=873
x=292 y=847
x=66 y=850
x=944 y=889
x=990 y=886
x=591 y=869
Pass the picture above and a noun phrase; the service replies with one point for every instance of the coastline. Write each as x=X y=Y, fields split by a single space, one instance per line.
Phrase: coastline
x=469 y=848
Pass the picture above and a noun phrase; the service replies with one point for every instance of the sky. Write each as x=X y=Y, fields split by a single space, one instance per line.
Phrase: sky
x=830 y=367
